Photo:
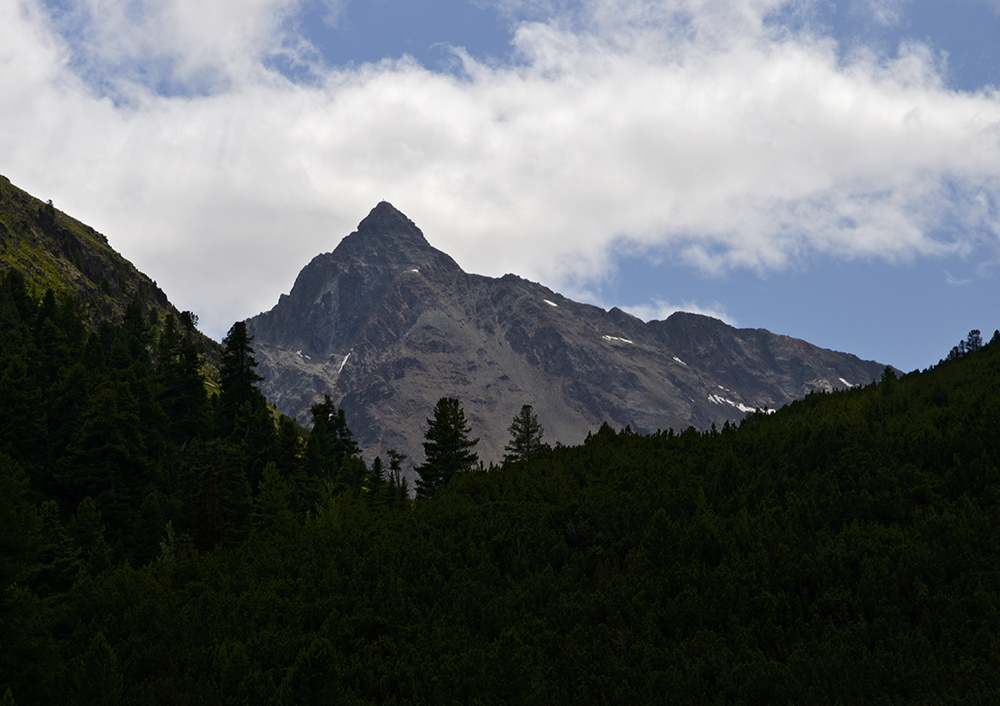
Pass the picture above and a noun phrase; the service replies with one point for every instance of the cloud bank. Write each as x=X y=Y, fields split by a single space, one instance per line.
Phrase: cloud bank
x=708 y=131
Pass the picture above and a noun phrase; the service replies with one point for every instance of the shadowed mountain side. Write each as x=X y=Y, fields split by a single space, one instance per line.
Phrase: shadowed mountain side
x=386 y=325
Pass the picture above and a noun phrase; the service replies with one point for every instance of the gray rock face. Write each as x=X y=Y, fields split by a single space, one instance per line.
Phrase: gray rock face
x=386 y=325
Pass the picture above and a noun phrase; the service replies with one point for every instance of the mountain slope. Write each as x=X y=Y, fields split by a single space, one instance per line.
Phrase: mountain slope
x=387 y=324
x=52 y=250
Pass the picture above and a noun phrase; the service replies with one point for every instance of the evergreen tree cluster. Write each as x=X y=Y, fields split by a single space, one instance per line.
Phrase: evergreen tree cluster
x=162 y=546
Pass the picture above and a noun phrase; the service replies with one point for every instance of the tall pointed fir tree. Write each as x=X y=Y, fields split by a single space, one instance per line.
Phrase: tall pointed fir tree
x=242 y=412
x=448 y=449
x=270 y=510
x=398 y=489
x=238 y=378
x=525 y=437
x=97 y=677
x=331 y=445
x=182 y=388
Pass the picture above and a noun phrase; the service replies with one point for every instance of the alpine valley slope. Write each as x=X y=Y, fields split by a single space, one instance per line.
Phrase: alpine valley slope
x=386 y=325
x=53 y=251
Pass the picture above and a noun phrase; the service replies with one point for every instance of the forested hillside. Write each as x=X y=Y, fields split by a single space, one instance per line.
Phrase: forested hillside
x=51 y=250
x=161 y=545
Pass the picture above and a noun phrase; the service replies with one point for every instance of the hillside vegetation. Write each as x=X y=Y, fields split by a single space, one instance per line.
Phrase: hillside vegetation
x=160 y=547
x=53 y=251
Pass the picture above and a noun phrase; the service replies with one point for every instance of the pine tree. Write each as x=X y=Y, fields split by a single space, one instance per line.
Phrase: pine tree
x=182 y=395
x=376 y=475
x=19 y=555
x=289 y=451
x=107 y=459
x=352 y=475
x=87 y=527
x=22 y=412
x=149 y=527
x=238 y=378
x=314 y=678
x=18 y=529
x=447 y=449
x=398 y=490
x=331 y=444
x=97 y=677
x=242 y=414
x=377 y=487
x=137 y=331
x=525 y=437
x=17 y=308
x=59 y=554
x=232 y=662
x=270 y=510
x=220 y=492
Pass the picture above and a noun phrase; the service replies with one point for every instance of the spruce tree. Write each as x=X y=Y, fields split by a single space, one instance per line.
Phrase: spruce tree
x=87 y=528
x=137 y=332
x=238 y=378
x=96 y=675
x=448 y=449
x=377 y=486
x=18 y=531
x=59 y=554
x=107 y=459
x=331 y=444
x=220 y=492
x=398 y=490
x=242 y=414
x=525 y=437
x=182 y=388
x=270 y=511
x=314 y=678
x=22 y=410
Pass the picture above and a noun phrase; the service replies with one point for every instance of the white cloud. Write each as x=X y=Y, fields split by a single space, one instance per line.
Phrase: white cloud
x=691 y=126
x=659 y=310
x=884 y=12
x=196 y=46
x=334 y=11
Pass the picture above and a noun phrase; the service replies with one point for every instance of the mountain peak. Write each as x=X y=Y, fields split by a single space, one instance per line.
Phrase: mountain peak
x=335 y=294
x=387 y=237
x=387 y=324
x=387 y=218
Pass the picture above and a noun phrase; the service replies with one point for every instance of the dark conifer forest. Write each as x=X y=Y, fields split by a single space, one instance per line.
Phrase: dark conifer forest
x=166 y=538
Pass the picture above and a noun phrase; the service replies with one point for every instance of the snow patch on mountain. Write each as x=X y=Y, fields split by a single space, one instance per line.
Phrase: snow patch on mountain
x=719 y=399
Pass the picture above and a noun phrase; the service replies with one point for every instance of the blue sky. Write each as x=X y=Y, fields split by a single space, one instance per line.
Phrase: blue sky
x=829 y=170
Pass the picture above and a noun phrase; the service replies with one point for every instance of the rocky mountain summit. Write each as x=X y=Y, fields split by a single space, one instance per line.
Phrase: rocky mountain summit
x=386 y=325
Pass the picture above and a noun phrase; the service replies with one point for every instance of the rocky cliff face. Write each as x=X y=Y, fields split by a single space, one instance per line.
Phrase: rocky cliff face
x=386 y=325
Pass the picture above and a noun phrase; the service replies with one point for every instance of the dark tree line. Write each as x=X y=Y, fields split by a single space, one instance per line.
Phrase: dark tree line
x=841 y=550
x=972 y=343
